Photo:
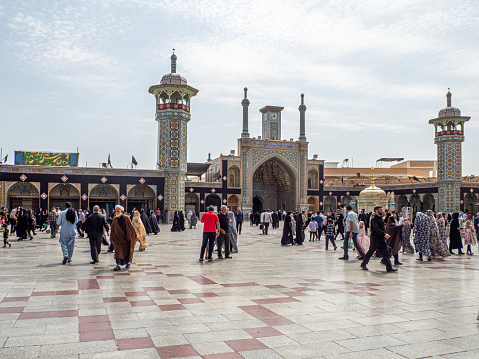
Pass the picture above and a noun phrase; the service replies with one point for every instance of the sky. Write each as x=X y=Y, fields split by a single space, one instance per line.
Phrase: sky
x=75 y=74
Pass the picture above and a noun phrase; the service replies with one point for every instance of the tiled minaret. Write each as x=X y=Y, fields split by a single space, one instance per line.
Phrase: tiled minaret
x=449 y=135
x=173 y=96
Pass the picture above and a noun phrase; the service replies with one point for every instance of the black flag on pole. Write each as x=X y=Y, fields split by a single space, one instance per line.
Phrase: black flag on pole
x=133 y=161
x=109 y=161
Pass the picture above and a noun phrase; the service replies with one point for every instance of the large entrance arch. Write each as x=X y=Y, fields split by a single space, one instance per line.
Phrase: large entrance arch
x=275 y=183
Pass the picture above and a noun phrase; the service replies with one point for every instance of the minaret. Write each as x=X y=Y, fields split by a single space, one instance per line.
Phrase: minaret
x=245 y=104
x=173 y=96
x=449 y=135
x=302 y=119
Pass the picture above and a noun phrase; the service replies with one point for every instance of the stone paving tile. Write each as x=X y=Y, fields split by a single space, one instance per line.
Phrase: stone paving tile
x=310 y=306
x=311 y=350
x=367 y=354
x=367 y=343
x=206 y=349
x=422 y=350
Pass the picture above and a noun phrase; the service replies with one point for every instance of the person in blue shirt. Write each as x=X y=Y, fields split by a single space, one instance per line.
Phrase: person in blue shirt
x=319 y=219
x=352 y=230
x=67 y=224
x=239 y=220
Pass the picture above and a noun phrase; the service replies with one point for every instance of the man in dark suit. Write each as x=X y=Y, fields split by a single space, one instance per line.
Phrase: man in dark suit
x=93 y=226
x=378 y=236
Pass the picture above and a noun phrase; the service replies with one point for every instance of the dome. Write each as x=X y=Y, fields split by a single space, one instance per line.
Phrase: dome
x=449 y=112
x=174 y=79
x=372 y=191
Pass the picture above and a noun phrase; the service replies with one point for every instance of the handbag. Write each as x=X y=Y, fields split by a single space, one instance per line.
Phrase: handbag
x=261 y=227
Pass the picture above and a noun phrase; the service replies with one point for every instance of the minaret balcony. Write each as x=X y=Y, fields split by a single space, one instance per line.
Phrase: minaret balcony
x=172 y=106
x=449 y=132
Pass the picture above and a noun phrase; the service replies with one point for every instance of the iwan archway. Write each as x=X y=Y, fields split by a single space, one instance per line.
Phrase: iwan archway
x=274 y=183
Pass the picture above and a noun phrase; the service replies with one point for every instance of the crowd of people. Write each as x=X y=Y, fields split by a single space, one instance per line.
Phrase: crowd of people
x=384 y=234
x=96 y=224
x=390 y=233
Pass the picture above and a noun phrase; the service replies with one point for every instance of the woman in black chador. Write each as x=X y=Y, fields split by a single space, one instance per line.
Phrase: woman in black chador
x=153 y=222
x=22 y=225
x=299 y=229
x=144 y=220
x=176 y=222
x=455 y=241
x=181 y=215
x=257 y=218
x=287 y=231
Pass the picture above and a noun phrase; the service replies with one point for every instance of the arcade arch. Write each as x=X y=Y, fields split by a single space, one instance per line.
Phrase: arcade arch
x=330 y=204
x=470 y=203
x=63 y=193
x=233 y=177
x=313 y=179
x=140 y=196
x=192 y=203
x=213 y=200
x=313 y=203
x=233 y=203
x=428 y=202
x=415 y=201
x=103 y=195
x=23 y=194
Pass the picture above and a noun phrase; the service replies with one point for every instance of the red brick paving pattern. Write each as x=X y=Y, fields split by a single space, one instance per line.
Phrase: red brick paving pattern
x=224 y=356
x=93 y=328
x=49 y=314
x=169 y=307
x=262 y=332
x=6 y=310
x=176 y=351
x=86 y=284
x=135 y=343
x=142 y=303
x=15 y=299
x=245 y=344
x=114 y=300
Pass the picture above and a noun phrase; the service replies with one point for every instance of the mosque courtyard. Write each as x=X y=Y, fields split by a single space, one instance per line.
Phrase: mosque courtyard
x=268 y=301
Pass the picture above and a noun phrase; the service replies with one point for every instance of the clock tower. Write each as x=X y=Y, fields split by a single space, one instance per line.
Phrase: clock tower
x=271 y=122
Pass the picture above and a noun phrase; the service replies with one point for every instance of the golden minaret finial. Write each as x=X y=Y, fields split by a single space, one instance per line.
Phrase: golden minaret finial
x=372 y=176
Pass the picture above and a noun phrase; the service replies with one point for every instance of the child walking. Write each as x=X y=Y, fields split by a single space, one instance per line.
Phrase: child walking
x=468 y=240
x=5 y=236
x=313 y=227
x=330 y=234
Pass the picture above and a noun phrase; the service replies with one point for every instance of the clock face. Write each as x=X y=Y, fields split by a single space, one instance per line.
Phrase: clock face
x=265 y=116
x=274 y=116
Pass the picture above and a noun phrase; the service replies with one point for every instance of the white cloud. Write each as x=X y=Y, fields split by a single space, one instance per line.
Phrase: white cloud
x=380 y=66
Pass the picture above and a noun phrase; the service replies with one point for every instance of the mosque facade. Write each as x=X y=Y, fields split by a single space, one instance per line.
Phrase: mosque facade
x=267 y=172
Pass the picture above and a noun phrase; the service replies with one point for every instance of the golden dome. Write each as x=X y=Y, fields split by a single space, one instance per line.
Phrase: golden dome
x=372 y=191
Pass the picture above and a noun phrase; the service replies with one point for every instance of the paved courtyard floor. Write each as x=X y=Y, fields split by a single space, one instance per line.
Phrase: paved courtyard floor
x=267 y=302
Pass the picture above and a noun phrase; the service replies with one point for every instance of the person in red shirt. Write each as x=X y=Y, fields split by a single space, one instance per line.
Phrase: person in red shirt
x=210 y=231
